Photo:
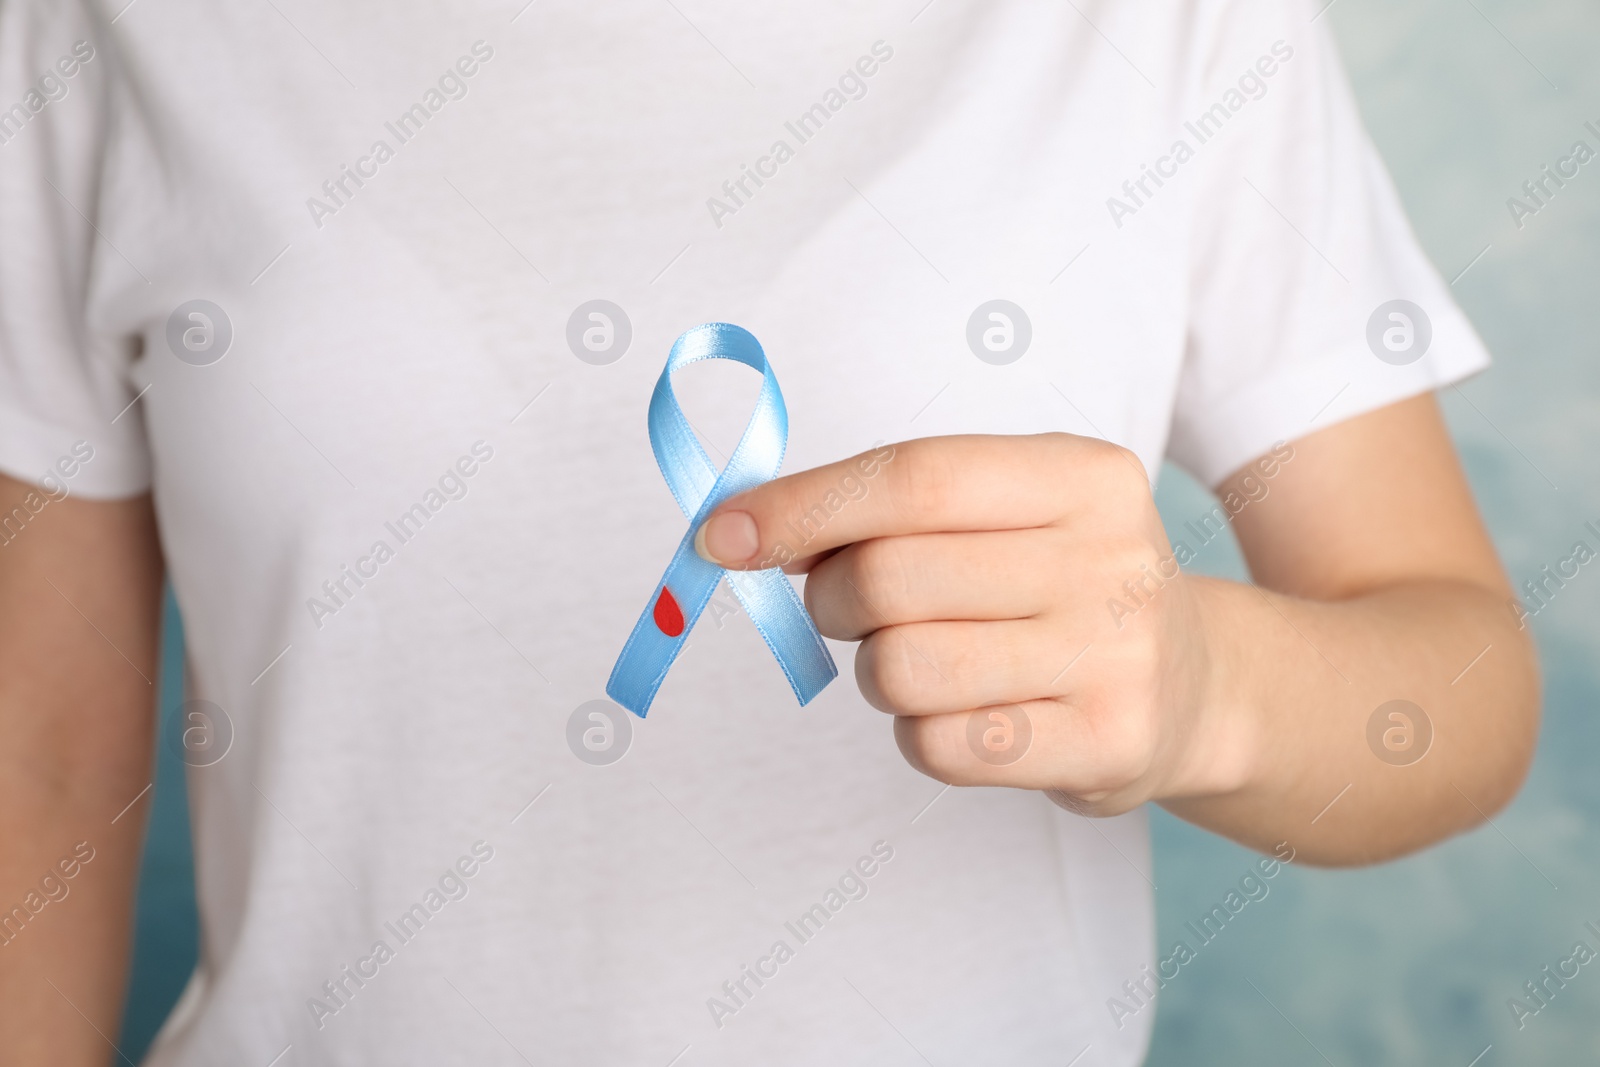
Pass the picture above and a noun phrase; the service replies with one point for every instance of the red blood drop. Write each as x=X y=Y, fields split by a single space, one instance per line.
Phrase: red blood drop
x=668 y=615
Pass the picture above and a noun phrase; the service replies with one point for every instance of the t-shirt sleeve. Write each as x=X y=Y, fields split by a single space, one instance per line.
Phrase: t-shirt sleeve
x=65 y=385
x=1311 y=301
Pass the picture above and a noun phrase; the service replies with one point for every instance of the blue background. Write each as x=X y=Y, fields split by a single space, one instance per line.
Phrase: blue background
x=1413 y=961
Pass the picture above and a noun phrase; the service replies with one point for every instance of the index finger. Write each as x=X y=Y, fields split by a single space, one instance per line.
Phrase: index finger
x=929 y=485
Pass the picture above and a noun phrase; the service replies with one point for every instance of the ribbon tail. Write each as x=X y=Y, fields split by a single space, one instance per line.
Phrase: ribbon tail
x=786 y=627
x=650 y=651
x=767 y=597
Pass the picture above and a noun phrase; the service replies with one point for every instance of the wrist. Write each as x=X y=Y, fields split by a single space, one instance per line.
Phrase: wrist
x=1223 y=737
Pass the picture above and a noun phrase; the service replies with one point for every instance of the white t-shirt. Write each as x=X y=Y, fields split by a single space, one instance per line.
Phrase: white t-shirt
x=394 y=214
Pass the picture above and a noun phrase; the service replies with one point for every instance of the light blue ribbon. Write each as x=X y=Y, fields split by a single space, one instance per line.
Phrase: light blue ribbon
x=767 y=596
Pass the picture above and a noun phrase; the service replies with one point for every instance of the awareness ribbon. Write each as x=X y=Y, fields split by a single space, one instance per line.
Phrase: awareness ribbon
x=687 y=585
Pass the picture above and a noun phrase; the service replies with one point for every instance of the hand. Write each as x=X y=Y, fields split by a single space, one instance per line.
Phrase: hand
x=1026 y=582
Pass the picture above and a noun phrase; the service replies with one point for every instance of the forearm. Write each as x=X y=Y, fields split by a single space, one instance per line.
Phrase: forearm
x=79 y=602
x=1282 y=751
x=66 y=889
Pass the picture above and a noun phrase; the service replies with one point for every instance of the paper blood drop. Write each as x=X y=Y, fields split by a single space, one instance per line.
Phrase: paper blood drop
x=668 y=615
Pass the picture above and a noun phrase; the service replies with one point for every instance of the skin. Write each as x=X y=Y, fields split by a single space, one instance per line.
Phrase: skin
x=80 y=588
x=979 y=571
x=973 y=571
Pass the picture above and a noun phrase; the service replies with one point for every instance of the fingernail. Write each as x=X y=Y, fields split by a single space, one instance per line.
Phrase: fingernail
x=727 y=538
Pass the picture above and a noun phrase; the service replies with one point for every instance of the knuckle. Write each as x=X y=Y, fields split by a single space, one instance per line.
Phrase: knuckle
x=1130 y=460
x=881 y=575
x=1143 y=664
x=1122 y=552
x=1138 y=753
x=1134 y=575
x=827 y=605
x=880 y=672
x=1119 y=468
x=811 y=594
x=1124 y=737
x=897 y=673
x=936 y=746
x=1065 y=448
x=924 y=481
x=1129 y=752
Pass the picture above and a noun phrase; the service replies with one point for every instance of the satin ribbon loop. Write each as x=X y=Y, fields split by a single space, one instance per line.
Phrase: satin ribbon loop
x=689 y=582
